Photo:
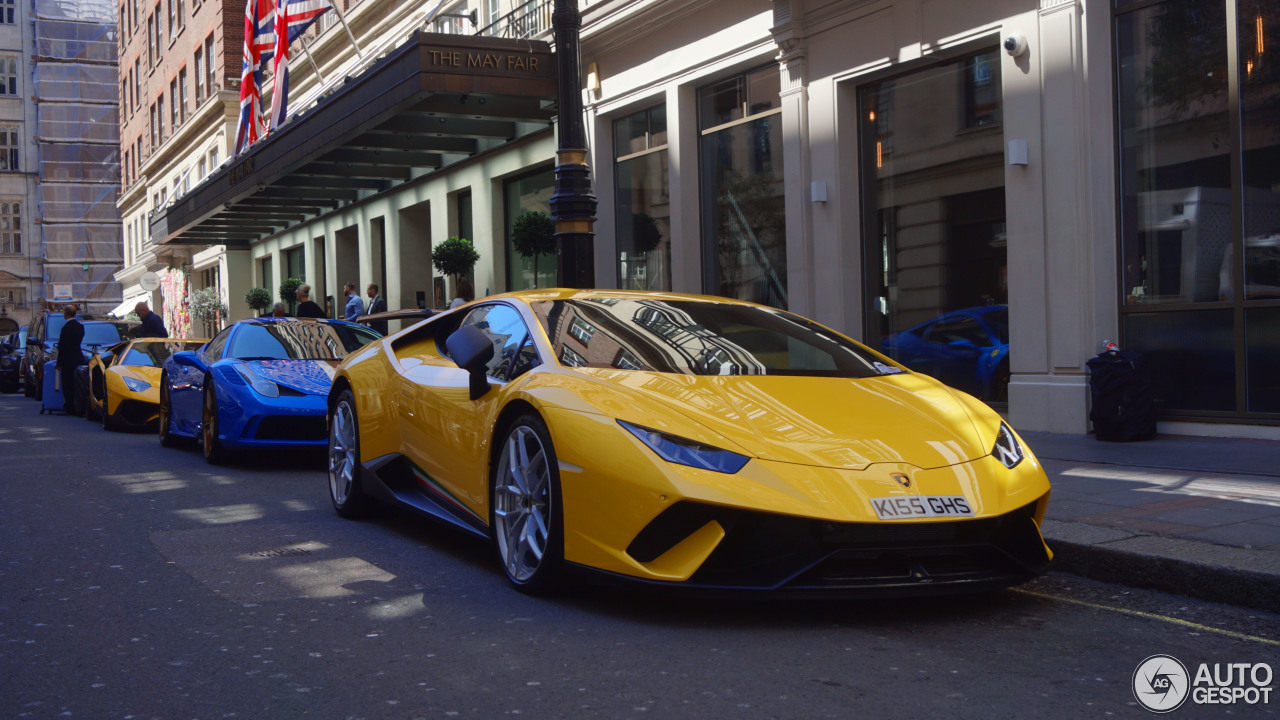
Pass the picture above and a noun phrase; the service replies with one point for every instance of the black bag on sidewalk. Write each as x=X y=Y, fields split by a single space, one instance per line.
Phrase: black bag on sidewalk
x=1123 y=406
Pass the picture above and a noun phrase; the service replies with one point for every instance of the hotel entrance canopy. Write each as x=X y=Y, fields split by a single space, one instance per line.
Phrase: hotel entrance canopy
x=435 y=100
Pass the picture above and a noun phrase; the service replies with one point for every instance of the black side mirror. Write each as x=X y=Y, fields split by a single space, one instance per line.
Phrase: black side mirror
x=472 y=350
x=33 y=341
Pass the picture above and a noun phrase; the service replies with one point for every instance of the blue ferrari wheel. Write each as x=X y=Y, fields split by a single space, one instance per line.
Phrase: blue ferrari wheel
x=526 y=507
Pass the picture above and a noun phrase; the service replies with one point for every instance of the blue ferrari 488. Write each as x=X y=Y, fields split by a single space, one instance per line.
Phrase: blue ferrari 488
x=260 y=382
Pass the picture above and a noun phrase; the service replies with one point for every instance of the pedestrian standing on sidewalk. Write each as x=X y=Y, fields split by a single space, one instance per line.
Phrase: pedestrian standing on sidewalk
x=307 y=308
x=70 y=357
x=377 y=304
x=466 y=293
x=152 y=324
x=354 y=308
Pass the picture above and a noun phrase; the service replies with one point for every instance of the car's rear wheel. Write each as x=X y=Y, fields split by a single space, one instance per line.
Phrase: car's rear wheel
x=345 y=489
x=167 y=438
x=526 y=520
x=214 y=453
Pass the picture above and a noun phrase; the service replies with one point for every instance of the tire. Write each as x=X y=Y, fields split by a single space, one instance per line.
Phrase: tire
x=108 y=422
x=214 y=453
x=346 y=489
x=526 y=521
x=82 y=401
x=167 y=438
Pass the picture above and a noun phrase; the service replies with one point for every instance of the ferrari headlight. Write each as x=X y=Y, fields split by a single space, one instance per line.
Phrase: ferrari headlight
x=1007 y=450
x=136 y=385
x=683 y=451
x=263 y=387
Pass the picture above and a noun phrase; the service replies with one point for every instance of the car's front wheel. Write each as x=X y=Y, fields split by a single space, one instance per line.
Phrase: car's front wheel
x=214 y=453
x=527 y=522
x=167 y=438
x=108 y=422
x=345 y=489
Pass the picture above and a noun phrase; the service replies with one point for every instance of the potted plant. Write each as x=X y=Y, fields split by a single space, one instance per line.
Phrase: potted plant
x=289 y=293
x=534 y=234
x=455 y=256
x=207 y=307
x=258 y=299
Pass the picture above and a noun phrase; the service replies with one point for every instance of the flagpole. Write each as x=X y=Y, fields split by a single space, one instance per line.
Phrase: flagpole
x=343 y=19
x=307 y=50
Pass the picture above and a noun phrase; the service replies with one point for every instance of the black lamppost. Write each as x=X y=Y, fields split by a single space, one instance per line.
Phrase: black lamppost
x=573 y=204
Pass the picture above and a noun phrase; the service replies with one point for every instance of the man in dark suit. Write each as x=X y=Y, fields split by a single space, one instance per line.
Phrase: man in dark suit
x=70 y=357
x=152 y=325
x=377 y=304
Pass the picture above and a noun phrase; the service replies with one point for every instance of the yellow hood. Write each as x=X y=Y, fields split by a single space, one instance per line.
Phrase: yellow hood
x=824 y=422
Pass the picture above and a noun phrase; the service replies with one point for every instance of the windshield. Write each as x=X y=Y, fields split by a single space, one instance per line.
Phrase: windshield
x=153 y=354
x=54 y=327
x=303 y=340
x=700 y=338
x=103 y=334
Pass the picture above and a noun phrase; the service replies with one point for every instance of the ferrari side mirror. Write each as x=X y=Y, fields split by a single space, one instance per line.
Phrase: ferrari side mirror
x=187 y=358
x=472 y=350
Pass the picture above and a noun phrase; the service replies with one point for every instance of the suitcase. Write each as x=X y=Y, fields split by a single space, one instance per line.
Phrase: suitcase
x=52 y=400
x=1123 y=397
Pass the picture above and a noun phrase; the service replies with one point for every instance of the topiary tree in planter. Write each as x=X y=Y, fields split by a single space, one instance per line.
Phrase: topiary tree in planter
x=206 y=306
x=258 y=299
x=455 y=256
x=534 y=234
x=289 y=293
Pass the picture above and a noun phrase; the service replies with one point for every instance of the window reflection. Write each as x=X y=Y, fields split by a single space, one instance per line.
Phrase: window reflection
x=935 y=213
x=700 y=338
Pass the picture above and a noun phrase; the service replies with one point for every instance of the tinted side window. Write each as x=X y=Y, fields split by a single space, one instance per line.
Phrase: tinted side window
x=513 y=350
x=213 y=351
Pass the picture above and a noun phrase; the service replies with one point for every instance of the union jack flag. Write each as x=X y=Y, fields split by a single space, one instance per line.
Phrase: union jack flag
x=259 y=16
x=292 y=18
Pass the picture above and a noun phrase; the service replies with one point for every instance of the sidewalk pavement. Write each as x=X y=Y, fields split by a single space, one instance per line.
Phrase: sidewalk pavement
x=1195 y=516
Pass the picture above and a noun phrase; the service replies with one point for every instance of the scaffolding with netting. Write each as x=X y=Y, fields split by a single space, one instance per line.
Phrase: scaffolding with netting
x=75 y=83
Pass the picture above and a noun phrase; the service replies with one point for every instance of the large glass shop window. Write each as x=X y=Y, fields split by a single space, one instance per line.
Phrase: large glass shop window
x=934 y=223
x=530 y=192
x=744 y=240
x=642 y=200
x=1200 y=201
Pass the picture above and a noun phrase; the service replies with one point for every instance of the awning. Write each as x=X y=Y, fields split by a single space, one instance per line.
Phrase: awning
x=435 y=100
x=126 y=307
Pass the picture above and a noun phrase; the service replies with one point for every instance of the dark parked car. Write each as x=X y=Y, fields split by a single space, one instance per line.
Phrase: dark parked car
x=42 y=339
x=10 y=357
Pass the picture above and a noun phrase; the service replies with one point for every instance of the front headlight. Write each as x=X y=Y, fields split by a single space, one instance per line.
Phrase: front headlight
x=136 y=385
x=1007 y=449
x=683 y=451
x=264 y=387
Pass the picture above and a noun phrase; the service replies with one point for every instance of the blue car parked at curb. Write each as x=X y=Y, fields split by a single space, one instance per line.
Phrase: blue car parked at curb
x=967 y=349
x=258 y=383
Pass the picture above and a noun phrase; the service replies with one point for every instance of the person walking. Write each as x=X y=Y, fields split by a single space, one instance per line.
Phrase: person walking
x=377 y=304
x=152 y=324
x=307 y=308
x=70 y=357
x=354 y=307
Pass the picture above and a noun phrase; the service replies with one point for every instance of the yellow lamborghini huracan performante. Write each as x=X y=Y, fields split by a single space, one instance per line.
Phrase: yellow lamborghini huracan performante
x=684 y=441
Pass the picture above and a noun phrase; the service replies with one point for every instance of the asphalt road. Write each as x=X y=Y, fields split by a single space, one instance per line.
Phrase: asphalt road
x=138 y=582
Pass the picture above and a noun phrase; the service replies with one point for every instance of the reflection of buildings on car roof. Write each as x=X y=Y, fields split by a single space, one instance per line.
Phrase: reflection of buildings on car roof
x=309 y=339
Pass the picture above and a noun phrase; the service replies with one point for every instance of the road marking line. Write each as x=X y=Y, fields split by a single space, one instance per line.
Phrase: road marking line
x=1152 y=616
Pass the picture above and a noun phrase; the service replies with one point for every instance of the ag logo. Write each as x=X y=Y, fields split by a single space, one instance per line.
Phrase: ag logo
x=903 y=480
x=1161 y=683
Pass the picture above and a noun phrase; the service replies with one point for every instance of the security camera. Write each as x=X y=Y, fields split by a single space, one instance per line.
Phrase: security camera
x=1015 y=44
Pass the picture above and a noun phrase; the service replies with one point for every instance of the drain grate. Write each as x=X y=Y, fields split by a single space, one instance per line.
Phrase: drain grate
x=281 y=552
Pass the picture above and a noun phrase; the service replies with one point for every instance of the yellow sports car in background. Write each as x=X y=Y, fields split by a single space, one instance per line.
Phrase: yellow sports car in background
x=123 y=386
x=688 y=441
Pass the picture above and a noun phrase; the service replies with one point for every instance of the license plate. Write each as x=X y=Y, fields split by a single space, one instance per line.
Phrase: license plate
x=923 y=506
